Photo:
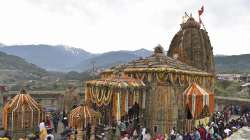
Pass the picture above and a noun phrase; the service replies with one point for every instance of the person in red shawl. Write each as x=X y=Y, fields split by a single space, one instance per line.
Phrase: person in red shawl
x=202 y=132
x=48 y=122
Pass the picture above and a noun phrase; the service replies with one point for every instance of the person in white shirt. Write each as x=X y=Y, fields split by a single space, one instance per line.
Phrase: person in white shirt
x=143 y=131
x=43 y=131
x=49 y=136
x=227 y=131
x=135 y=134
x=147 y=136
x=178 y=137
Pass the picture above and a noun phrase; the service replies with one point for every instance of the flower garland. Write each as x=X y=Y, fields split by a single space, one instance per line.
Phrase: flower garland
x=118 y=115
x=100 y=91
x=161 y=76
x=164 y=69
x=100 y=96
x=107 y=99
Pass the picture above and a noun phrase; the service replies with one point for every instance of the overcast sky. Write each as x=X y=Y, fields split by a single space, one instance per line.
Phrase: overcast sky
x=104 y=25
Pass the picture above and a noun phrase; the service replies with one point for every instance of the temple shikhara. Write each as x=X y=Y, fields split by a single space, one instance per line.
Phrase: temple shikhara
x=192 y=46
x=162 y=91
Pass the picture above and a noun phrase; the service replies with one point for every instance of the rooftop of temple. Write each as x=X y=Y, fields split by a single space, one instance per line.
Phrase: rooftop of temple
x=158 y=61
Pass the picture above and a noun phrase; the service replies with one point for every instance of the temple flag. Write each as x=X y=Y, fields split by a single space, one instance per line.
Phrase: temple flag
x=201 y=10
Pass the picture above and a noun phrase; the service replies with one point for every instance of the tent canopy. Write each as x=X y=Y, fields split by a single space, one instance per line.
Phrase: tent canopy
x=22 y=100
x=197 y=99
x=23 y=110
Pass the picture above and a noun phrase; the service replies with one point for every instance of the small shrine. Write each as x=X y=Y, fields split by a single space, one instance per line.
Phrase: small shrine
x=21 y=115
x=83 y=119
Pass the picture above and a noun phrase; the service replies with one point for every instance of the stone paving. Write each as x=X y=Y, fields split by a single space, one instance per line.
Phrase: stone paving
x=241 y=134
x=59 y=131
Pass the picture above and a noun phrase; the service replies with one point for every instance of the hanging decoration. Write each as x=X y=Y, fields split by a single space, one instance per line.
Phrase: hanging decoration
x=100 y=91
x=122 y=92
x=180 y=79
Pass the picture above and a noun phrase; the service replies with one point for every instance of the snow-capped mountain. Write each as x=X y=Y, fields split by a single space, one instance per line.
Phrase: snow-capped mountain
x=66 y=58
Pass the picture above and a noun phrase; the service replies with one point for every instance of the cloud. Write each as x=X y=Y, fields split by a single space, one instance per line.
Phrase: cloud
x=104 y=25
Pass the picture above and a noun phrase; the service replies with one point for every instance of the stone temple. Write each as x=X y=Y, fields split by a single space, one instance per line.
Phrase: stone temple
x=175 y=90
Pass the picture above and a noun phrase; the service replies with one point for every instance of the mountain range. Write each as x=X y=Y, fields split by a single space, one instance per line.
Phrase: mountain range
x=64 y=59
x=108 y=59
x=55 y=58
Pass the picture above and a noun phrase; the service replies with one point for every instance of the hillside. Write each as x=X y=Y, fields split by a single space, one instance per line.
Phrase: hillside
x=58 y=58
x=234 y=63
x=13 y=67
